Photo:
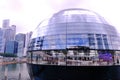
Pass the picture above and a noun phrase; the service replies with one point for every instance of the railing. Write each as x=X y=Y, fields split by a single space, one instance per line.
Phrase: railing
x=75 y=57
x=76 y=61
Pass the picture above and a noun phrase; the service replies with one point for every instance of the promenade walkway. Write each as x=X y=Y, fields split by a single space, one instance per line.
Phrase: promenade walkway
x=12 y=62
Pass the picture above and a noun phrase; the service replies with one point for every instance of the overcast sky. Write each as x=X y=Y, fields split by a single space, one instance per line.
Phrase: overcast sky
x=26 y=14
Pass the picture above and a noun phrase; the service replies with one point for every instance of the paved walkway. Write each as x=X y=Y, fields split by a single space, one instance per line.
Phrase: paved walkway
x=12 y=62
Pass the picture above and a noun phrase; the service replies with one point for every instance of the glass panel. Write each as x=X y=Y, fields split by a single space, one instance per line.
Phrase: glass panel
x=98 y=35
x=100 y=46
x=99 y=41
x=106 y=46
x=91 y=35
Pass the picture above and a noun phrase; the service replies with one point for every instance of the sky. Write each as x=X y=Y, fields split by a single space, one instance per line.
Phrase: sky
x=27 y=14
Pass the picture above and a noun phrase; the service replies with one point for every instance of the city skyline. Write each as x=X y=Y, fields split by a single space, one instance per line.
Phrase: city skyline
x=26 y=15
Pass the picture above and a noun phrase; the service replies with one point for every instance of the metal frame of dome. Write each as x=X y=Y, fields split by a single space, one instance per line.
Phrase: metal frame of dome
x=103 y=21
x=91 y=34
x=81 y=9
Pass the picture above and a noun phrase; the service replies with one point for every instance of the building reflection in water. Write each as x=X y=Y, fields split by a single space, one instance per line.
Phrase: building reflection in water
x=13 y=72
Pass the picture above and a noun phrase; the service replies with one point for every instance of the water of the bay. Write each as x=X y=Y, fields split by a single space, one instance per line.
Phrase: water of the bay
x=13 y=71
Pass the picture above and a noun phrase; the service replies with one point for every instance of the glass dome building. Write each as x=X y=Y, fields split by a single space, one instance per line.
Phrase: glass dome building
x=74 y=27
x=74 y=44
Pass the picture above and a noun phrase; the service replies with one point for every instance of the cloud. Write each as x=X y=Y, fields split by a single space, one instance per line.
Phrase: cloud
x=10 y=5
x=15 y=5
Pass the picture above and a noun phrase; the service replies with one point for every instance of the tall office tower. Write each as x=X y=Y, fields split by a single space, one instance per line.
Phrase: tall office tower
x=20 y=38
x=2 y=41
x=13 y=27
x=11 y=47
x=9 y=33
x=6 y=23
x=27 y=40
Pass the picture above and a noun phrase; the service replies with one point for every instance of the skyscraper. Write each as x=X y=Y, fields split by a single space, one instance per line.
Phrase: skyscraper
x=13 y=27
x=7 y=33
x=11 y=47
x=11 y=31
x=6 y=23
x=20 y=38
x=2 y=41
x=27 y=40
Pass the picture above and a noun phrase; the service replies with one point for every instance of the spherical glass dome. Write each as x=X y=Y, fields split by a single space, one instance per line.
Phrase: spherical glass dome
x=75 y=27
x=77 y=15
x=72 y=37
x=74 y=15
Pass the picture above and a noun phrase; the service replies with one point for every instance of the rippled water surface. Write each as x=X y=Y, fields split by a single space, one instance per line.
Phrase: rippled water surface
x=13 y=71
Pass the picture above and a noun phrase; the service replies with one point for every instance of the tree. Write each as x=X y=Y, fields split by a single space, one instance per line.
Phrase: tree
x=8 y=55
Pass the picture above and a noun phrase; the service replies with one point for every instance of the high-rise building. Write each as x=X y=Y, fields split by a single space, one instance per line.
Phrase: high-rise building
x=6 y=23
x=27 y=40
x=20 y=38
x=13 y=27
x=7 y=34
x=11 y=47
x=2 y=41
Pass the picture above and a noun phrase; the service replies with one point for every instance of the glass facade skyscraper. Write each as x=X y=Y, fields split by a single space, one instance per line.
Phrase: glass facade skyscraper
x=11 y=47
x=6 y=23
x=20 y=38
x=74 y=27
x=2 y=41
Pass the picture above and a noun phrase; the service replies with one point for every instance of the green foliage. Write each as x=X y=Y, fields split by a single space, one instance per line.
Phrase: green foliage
x=8 y=55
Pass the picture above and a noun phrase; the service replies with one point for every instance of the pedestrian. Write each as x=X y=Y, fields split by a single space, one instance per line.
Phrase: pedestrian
x=117 y=61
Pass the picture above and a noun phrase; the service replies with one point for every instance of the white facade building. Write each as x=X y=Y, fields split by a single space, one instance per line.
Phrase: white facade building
x=27 y=40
